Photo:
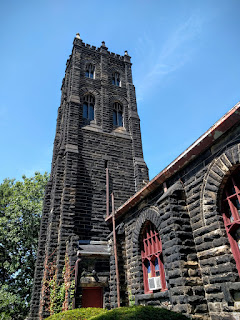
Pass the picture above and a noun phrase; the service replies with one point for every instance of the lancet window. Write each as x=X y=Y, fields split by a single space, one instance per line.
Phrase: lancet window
x=116 y=79
x=88 y=107
x=231 y=213
x=117 y=114
x=152 y=259
x=89 y=72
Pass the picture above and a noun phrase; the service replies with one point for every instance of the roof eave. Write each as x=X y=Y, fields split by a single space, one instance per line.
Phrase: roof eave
x=199 y=146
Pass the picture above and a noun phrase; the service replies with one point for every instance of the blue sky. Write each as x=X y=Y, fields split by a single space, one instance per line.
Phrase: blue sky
x=186 y=70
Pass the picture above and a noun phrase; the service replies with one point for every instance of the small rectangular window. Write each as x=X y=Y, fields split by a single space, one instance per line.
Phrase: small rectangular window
x=91 y=112
x=85 y=111
x=116 y=79
x=88 y=107
x=120 y=122
x=114 y=118
x=157 y=271
x=148 y=268
x=89 y=71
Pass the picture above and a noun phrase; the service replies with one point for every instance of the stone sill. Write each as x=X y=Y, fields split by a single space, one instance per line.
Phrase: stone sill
x=163 y=295
x=116 y=133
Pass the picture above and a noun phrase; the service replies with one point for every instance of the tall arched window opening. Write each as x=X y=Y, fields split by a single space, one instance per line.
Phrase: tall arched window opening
x=89 y=72
x=116 y=79
x=231 y=214
x=88 y=107
x=152 y=259
x=117 y=114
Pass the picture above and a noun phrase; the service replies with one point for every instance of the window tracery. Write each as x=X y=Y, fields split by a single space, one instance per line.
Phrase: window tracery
x=89 y=71
x=88 y=107
x=116 y=79
x=117 y=114
x=152 y=259
x=231 y=213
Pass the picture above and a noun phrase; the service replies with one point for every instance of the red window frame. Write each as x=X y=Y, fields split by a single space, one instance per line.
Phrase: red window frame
x=151 y=249
x=231 y=214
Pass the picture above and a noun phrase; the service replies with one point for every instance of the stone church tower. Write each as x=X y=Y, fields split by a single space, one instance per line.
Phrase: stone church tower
x=98 y=131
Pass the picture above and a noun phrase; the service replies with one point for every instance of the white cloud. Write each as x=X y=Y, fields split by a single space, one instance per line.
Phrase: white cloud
x=172 y=55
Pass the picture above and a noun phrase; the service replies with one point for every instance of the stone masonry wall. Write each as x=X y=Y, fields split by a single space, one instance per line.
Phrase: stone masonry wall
x=185 y=291
x=204 y=180
x=201 y=272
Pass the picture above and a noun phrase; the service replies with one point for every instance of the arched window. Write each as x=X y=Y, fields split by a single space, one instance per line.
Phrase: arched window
x=116 y=79
x=117 y=114
x=231 y=213
x=152 y=259
x=88 y=107
x=89 y=72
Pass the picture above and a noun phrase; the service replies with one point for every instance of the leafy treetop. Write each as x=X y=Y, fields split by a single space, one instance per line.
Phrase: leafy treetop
x=20 y=213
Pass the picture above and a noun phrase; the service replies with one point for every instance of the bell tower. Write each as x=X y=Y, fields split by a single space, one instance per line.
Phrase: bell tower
x=98 y=130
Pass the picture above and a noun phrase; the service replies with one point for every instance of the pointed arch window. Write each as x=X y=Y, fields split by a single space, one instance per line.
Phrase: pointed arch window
x=89 y=71
x=231 y=213
x=88 y=107
x=152 y=259
x=117 y=114
x=116 y=79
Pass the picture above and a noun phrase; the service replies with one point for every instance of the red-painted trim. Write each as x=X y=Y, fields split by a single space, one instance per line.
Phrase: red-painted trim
x=151 y=250
x=232 y=226
x=200 y=145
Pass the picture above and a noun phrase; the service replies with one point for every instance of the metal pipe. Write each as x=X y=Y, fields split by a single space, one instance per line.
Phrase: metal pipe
x=115 y=251
x=76 y=282
x=107 y=190
x=164 y=186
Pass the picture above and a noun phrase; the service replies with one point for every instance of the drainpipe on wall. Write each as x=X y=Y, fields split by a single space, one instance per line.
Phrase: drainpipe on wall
x=76 y=280
x=115 y=251
x=164 y=187
x=107 y=189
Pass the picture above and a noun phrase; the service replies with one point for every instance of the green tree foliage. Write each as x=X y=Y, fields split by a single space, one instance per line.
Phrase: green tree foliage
x=20 y=212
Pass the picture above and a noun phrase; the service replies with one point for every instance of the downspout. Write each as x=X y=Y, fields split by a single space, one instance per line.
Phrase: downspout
x=115 y=251
x=76 y=280
x=164 y=186
x=107 y=188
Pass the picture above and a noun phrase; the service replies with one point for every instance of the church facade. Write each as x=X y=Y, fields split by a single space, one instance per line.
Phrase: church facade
x=171 y=242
